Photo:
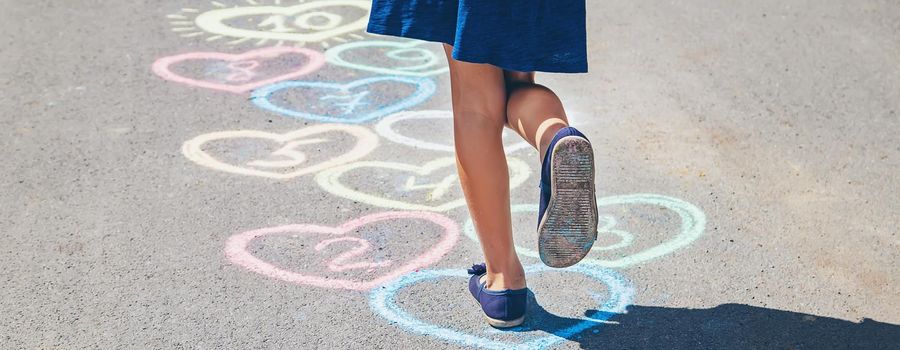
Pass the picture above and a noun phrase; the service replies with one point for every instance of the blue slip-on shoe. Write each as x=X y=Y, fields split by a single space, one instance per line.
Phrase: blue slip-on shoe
x=503 y=308
x=567 y=216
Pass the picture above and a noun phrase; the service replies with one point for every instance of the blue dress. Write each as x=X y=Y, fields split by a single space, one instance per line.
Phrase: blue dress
x=518 y=35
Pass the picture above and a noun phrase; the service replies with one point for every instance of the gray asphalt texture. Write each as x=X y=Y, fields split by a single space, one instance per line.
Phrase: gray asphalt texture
x=779 y=120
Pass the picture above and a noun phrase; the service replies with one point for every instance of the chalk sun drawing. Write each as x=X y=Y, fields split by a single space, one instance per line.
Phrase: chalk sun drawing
x=236 y=251
x=285 y=162
x=276 y=24
x=331 y=181
x=406 y=57
x=352 y=102
x=386 y=128
x=242 y=69
x=383 y=302
x=693 y=223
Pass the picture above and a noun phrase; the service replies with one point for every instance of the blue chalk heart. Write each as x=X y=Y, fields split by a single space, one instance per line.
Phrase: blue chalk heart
x=382 y=301
x=351 y=103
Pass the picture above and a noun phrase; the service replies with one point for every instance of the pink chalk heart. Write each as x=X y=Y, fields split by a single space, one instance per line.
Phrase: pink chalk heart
x=236 y=251
x=240 y=73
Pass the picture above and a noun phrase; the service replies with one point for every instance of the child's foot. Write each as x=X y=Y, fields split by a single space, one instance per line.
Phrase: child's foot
x=503 y=308
x=567 y=219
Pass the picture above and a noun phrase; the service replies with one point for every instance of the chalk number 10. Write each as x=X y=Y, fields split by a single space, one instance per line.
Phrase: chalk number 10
x=316 y=20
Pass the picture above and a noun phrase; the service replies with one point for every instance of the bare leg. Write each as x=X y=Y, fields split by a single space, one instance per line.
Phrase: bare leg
x=479 y=115
x=568 y=227
x=533 y=110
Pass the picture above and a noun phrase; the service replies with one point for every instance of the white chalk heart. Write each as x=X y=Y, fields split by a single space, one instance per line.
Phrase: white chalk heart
x=386 y=128
x=693 y=223
x=330 y=180
x=290 y=157
x=419 y=61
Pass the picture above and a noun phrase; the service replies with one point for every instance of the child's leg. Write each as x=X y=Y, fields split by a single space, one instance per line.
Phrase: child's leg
x=533 y=110
x=479 y=115
x=567 y=219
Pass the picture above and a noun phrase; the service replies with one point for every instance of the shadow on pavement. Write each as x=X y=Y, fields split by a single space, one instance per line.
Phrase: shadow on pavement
x=727 y=326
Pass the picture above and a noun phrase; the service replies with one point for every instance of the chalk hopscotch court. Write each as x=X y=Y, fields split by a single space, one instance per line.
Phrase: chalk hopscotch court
x=265 y=174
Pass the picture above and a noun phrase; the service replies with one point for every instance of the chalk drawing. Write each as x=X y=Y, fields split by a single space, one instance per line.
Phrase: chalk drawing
x=385 y=128
x=330 y=181
x=242 y=67
x=353 y=101
x=339 y=263
x=241 y=71
x=236 y=251
x=607 y=225
x=406 y=57
x=693 y=223
x=316 y=21
x=438 y=190
x=277 y=167
x=383 y=302
x=342 y=107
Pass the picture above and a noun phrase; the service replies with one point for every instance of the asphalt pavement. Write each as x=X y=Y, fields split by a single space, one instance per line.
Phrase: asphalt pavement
x=263 y=174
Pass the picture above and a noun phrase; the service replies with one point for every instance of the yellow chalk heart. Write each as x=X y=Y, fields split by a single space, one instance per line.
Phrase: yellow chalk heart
x=366 y=141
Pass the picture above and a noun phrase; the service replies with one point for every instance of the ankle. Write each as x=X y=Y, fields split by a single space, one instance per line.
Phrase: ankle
x=548 y=136
x=514 y=279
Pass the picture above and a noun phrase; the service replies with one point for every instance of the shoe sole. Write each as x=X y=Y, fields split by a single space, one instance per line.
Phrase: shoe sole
x=569 y=227
x=505 y=324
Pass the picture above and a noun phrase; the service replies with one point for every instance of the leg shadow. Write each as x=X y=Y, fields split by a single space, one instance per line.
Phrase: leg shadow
x=727 y=326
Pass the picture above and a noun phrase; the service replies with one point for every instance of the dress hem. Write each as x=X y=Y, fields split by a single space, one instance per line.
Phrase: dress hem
x=381 y=30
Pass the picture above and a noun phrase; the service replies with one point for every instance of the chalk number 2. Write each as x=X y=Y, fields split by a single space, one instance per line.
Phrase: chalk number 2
x=340 y=263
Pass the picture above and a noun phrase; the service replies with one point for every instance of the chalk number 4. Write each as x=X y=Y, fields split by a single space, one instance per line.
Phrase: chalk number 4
x=353 y=101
